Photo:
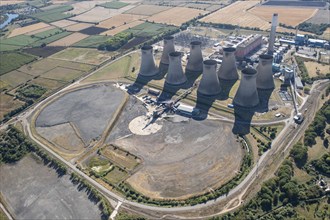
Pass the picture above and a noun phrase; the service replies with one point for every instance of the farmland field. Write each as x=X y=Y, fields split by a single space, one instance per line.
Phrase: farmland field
x=322 y=16
x=54 y=14
x=114 y=4
x=7 y=104
x=40 y=30
x=51 y=39
x=63 y=23
x=197 y=6
x=78 y=26
x=176 y=16
x=236 y=14
x=121 y=28
x=292 y=16
x=115 y=176
x=26 y=29
x=62 y=74
x=312 y=68
x=69 y=40
x=11 y=61
x=120 y=157
x=15 y=78
x=46 y=83
x=82 y=6
x=89 y=56
x=119 y=20
x=148 y=29
x=43 y=51
x=92 y=30
x=147 y=10
x=326 y=34
x=92 y=41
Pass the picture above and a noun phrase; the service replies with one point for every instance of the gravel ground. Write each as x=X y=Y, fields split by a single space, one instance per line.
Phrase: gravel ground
x=39 y=193
x=89 y=109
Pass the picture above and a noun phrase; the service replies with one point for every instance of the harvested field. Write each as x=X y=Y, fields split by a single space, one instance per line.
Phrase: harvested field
x=41 y=30
x=82 y=6
x=63 y=23
x=39 y=193
x=93 y=30
x=15 y=78
x=291 y=17
x=294 y=3
x=119 y=20
x=7 y=104
x=321 y=16
x=326 y=34
x=92 y=41
x=176 y=16
x=119 y=29
x=62 y=74
x=88 y=109
x=147 y=10
x=26 y=29
x=82 y=55
x=317 y=69
x=50 y=39
x=192 y=148
x=214 y=7
x=98 y=14
x=63 y=137
x=236 y=14
x=78 y=26
x=197 y=6
x=69 y=40
x=12 y=61
x=43 y=51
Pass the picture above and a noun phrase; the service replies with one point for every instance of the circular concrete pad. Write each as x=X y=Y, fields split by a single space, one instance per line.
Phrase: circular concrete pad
x=140 y=126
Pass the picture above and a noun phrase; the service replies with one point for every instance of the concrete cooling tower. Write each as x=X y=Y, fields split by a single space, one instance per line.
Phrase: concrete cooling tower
x=247 y=95
x=175 y=75
x=209 y=84
x=148 y=66
x=228 y=70
x=168 y=47
x=265 y=74
x=195 y=61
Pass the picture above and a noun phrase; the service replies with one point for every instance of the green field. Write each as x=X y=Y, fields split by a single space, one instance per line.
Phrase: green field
x=48 y=33
x=20 y=40
x=15 y=78
x=51 y=39
x=148 y=29
x=92 y=41
x=53 y=14
x=115 y=176
x=114 y=4
x=11 y=61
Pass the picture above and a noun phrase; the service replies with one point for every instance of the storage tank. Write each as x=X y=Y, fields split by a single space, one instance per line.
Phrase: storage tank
x=247 y=95
x=168 y=47
x=228 y=69
x=195 y=61
x=209 y=84
x=265 y=74
x=175 y=75
x=148 y=66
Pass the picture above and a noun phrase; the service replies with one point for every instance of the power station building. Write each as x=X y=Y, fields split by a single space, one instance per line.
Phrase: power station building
x=249 y=44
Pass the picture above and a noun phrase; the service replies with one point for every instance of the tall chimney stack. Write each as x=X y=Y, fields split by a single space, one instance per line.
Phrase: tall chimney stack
x=272 y=34
x=209 y=84
x=265 y=74
x=168 y=47
x=195 y=61
x=247 y=95
x=228 y=70
x=148 y=66
x=175 y=75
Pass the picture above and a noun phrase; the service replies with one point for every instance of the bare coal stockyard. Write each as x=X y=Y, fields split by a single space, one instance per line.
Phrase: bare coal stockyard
x=39 y=193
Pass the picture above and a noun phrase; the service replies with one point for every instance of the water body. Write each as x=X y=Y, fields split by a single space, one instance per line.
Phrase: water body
x=9 y=19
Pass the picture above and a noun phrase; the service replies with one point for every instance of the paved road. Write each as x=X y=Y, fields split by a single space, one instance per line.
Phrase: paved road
x=287 y=137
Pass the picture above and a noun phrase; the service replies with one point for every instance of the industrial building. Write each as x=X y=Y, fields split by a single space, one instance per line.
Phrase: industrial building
x=148 y=66
x=247 y=95
x=175 y=74
x=209 y=84
x=247 y=45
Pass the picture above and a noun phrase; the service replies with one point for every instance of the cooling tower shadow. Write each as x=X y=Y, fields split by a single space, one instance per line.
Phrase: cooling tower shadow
x=225 y=87
x=264 y=96
x=141 y=81
x=243 y=118
x=204 y=103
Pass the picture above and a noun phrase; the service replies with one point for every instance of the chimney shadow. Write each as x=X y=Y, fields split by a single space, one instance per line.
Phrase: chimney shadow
x=243 y=119
x=264 y=97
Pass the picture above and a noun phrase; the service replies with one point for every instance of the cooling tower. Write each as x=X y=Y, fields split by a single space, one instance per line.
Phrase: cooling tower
x=265 y=74
x=209 y=84
x=175 y=75
x=228 y=70
x=272 y=34
x=195 y=61
x=168 y=47
x=247 y=95
x=148 y=66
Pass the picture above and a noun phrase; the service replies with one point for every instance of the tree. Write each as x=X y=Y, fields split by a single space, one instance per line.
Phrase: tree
x=326 y=143
x=299 y=154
